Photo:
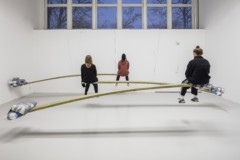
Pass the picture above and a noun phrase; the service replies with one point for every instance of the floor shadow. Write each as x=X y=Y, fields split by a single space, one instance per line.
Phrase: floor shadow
x=178 y=131
x=204 y=105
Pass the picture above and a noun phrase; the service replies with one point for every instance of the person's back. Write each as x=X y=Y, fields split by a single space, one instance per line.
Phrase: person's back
x=198 y=71
x=123 y=68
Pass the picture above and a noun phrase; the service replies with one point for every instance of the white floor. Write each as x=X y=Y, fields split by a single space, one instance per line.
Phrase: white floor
x=129 y=126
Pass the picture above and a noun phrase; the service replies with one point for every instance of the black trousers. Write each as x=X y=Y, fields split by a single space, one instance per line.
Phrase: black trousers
x=88 y=85
x=194 y=90
x=118 y=77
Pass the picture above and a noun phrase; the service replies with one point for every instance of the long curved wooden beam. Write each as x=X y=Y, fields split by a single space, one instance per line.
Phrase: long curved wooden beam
x=69 y=100
x=67 y=76
x=134 y=82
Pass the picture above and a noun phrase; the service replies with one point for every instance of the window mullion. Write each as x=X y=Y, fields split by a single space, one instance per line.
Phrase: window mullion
x=45 y=15
x=94 y=14
x=195 y=14
x=169 y=14
x=144 y=14
x=119 y=14
x=69 y=14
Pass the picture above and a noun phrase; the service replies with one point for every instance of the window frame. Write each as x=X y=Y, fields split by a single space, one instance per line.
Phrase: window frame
x=119 y=6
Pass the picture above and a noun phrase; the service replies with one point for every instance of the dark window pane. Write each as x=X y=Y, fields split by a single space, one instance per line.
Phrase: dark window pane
x=82 y=17
x=182 y=17
x=132 y=1
x=107 y=17
x=157 y=17
x=132 y=17
x=57 y=1
x=157 y=1
x=82 y=1
x=57 y=17
x=181 y=1
x=107 y=1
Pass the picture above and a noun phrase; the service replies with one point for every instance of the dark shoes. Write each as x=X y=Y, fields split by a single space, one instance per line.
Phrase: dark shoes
x=181 y=100
x=195 y=99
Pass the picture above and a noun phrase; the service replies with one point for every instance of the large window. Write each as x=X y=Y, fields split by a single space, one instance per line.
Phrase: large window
x=106 y=14
x=107 y=17
x=121 y=14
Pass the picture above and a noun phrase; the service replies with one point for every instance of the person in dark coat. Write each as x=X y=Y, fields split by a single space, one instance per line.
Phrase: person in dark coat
x=123 y=68
x=197 y=74
x=89 y=74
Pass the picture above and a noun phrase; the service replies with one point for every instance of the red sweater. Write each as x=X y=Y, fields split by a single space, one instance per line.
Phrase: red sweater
x=123 y=67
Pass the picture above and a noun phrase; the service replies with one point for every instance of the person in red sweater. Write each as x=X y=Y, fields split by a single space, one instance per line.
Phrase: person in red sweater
x=123 y=68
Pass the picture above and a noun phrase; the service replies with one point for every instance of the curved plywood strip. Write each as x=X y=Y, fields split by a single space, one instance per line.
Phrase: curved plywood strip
x=68 y=76
x=134 y=82
x=69 y=100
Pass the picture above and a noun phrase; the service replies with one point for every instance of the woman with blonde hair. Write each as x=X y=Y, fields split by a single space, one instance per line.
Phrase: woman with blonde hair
x=89 y=74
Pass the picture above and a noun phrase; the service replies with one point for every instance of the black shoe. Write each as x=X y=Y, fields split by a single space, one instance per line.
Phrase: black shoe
x=195 y=99
x=181 y=100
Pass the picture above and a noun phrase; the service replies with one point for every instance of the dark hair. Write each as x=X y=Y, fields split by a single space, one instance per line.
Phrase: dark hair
x=198 y=51
x=123 y=57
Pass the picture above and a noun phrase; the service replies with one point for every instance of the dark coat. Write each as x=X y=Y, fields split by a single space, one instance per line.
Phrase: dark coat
x=198 y=71
x=89 y=75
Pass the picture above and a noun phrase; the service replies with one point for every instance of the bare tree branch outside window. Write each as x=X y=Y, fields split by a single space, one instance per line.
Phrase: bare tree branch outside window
x=82 y=17
x=57 y=1
x=132 y=14
x=181 y=1
x=107 y=17
x=132 y=17
x=182 y=17
x=157 y=17
x=57 y=17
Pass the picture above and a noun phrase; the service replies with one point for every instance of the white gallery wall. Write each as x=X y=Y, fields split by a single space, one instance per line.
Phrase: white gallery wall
x=220 y=19
x=17 y=20
x=154 y=55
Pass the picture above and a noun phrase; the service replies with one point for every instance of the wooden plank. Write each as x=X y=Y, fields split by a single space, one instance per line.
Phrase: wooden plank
x=67 y=76
x=69 y=100
x=134 y=82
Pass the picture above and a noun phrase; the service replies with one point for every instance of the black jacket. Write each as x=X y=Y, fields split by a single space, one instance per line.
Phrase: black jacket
x=198 y=71
x=89 y=75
